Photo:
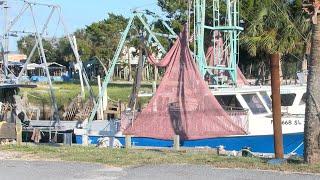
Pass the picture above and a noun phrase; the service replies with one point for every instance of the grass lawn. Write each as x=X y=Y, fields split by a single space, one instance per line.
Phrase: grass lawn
x=65 y=92
x=136 y=157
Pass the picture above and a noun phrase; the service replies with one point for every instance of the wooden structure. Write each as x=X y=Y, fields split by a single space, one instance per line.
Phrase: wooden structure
x=7 y=130
x=78 y=110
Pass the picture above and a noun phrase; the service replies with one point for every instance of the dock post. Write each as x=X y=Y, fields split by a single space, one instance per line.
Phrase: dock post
x=19 y=132
x=128 y=144
x=176 y=142
x=100 y=112
x=154 y=87
x=67 y=139
x=85 y=138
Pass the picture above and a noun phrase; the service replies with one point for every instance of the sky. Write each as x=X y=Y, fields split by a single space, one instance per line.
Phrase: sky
x=77 y=14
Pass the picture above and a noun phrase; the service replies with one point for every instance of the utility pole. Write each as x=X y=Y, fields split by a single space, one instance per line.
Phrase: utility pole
x=276 y=105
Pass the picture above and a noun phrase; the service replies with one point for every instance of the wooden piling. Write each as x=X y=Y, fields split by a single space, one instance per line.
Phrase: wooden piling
x=128 y=142
x=154 y=87
x=85 y=138
x=19 y=133
x=176 y=142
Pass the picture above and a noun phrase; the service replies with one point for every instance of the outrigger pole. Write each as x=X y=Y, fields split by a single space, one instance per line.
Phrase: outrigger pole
x=139 y=15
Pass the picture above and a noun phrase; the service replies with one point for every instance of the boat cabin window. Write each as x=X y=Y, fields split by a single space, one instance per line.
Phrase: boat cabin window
x=228 y=102
x=287 y=99
x=254 y=103
x=303 y=99
x=267 y=99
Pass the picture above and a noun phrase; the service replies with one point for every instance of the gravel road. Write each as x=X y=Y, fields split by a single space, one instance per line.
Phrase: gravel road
x=30 y=170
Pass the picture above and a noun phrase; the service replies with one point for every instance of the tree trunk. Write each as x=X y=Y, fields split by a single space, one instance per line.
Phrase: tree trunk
x=276 y=105
x=263 y=74
x=280 y=70
x=312 y=122
x=306 y=59
x=137 y=81
x=129 y=65
x=250 y=70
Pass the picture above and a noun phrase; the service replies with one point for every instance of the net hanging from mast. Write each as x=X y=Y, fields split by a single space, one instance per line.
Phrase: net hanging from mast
x=183 y=104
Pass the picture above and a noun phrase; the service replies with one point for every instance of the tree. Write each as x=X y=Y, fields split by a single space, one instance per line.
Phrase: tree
x=25 y=45
x=85 y=46
x=99 y=39
x=177 y=12
x=105 y=35
x=312 y=121
x=274 y=33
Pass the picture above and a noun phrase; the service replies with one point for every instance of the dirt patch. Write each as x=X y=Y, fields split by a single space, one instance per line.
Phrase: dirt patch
x=7 y=155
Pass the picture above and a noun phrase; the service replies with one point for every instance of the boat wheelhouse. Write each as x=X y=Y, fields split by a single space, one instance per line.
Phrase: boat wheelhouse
x=257 y=102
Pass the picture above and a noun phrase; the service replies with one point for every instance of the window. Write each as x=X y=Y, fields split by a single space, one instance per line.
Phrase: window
x=267 y=99
x=287 y=99
x=303 y=99
x=254 y=103
x=229 y=102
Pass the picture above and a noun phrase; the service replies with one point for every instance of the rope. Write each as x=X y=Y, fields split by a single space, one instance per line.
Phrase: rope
x=29 y=94
x=292 y=152
x=56 y=30
x=145 y=5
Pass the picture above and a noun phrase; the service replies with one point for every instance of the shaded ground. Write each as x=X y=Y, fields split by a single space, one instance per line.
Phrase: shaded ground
x=29 y=170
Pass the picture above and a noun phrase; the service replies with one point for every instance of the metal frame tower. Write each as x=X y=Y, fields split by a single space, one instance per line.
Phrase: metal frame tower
x=225 y=24
x=38 y=32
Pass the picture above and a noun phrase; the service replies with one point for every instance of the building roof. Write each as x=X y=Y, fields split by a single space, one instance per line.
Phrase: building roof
x=52 y=64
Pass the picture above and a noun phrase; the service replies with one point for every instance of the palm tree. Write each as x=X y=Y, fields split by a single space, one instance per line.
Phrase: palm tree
x=272 y=31
x=312 y=121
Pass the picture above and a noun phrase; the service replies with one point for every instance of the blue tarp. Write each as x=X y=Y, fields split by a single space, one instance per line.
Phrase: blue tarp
x=53 y=78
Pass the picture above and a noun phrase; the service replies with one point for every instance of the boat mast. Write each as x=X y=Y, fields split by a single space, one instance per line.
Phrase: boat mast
x=229 y=29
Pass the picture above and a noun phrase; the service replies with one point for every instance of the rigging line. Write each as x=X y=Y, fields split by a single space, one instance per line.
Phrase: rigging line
x=304 y=38
x=189 y=16
x=11 y=72
x=145 y=5
x=295 y=57
x=56 y=30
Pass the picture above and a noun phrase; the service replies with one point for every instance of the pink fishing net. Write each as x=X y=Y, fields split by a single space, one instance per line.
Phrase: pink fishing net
x=214 y=54
x=183 y=104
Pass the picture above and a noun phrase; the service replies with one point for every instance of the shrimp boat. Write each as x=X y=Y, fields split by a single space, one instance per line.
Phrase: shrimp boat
x=183 y=104
x=234 y=118
x=249 y=105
